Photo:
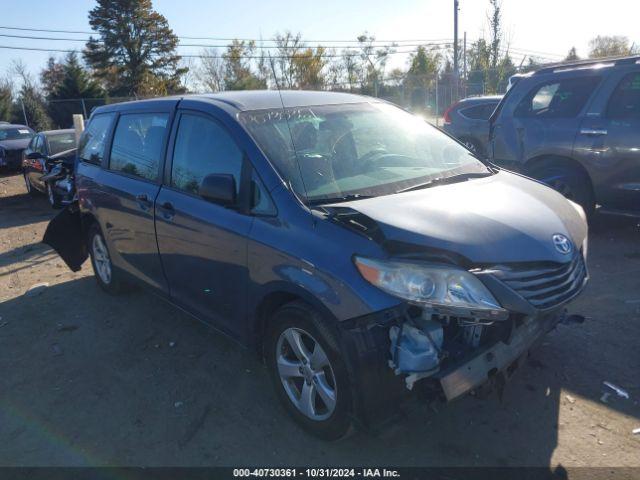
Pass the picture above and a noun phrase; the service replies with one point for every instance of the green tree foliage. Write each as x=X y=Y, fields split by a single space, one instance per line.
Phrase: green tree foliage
x=374 y=60
x=6 y=100
x=423 y=69
x=609 y=46
x=31 y=103
x=239 y=72
x=73 y=83
x=308 y=67
x=135 y=52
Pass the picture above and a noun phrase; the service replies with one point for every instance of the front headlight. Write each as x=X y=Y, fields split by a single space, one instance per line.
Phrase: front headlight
x=434 y=285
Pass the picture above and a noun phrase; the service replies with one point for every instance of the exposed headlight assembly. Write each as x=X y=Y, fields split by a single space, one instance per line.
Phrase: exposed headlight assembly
x=446 y=289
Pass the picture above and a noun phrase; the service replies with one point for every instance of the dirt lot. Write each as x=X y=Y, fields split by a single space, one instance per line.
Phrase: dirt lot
x=90 y=379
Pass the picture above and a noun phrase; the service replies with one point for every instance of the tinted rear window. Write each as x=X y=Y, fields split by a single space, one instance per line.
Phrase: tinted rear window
x=479 y=112
x=557 y=98
x=137 y=144
x=625 y=101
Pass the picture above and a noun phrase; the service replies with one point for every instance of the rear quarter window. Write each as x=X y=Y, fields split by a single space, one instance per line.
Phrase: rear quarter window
x=479 y=112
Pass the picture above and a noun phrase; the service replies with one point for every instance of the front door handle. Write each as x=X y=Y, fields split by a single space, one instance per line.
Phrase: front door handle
x=593 y=132
x=143 y=201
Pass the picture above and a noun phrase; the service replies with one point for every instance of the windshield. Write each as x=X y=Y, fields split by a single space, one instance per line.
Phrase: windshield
x=350 y=150
x=61 y=142
x=15 y=133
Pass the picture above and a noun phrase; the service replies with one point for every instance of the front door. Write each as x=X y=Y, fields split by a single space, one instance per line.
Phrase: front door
x=608 y=143
x=203 y=245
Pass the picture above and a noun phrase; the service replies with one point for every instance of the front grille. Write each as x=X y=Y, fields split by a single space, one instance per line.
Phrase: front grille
x=545 y=285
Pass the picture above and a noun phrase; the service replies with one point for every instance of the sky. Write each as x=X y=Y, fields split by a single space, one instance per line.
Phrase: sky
x=548 y=28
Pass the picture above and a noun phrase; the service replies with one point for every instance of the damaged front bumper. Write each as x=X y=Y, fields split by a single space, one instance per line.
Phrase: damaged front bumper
x=378 y=389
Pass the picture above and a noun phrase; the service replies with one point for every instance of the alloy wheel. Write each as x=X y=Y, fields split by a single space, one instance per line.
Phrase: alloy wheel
x=306 y=374
x=101 y=259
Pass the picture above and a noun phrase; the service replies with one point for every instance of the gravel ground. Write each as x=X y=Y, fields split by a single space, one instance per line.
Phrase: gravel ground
x=90 y=379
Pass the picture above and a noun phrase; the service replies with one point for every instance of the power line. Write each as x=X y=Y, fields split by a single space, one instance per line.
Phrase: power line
x=257 y=40
x=302 y=45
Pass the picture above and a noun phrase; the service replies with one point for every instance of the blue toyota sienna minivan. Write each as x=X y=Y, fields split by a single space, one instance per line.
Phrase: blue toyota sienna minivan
x=364 y=253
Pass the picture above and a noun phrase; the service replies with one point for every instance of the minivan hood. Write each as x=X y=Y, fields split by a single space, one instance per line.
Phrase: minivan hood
x=501 y=218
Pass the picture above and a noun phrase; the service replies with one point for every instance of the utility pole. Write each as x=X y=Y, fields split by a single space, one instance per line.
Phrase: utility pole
x=464 y=62
x=456 y=72
x=455 y=37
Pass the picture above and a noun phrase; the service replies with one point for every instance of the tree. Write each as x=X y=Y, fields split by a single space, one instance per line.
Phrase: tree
x=135 y=52
x=51 y=76
x=572 y=56
x=210 y=72
x=308 y=68
x=374 y=60
x=30 y=102
x=74 y=83
x=288 y=46
x=238 y=71
x=351 y=67
x=609 y=46
x=6 y=99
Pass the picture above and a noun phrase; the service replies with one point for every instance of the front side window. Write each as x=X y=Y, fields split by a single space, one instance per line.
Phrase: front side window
x=137 y=144
x=93 y=141
x=366 y=149
x=625 y=101
x=61 y=142
x=202 y=148
x=558 y=99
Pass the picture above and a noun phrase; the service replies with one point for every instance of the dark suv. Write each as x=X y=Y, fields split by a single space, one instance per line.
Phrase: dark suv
x=576 y=127
x=360 y=250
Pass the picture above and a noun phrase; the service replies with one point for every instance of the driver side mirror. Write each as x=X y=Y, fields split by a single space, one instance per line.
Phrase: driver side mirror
x=218 y=188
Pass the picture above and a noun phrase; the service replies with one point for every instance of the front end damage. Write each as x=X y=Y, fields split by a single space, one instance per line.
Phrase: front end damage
x=438 y=356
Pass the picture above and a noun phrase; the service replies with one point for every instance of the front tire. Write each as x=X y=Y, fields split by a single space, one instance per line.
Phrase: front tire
x=107 y=277
x=308 y=371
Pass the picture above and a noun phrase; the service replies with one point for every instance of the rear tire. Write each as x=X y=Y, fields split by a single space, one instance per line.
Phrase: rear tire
x=54 y=200
x=567 y=179
x=107 y=277
x=306 y=363
x=30 y=190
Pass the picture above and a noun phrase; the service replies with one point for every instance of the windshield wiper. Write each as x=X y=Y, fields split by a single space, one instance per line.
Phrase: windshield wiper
x=344 y=198
x=445 y=180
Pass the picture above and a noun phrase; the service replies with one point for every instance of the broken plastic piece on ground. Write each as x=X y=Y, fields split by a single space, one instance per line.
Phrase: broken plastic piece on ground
x=620 y=391
x=605 y=396
x=636 y=431
x=415 y=350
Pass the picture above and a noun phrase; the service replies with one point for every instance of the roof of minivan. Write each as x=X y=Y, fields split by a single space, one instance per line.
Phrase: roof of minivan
x=260 y=99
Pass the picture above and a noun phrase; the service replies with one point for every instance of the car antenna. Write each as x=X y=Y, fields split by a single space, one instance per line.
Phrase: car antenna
x=286 y=117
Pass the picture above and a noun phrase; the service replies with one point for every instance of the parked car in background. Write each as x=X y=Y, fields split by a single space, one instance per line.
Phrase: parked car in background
x=49 y=150
x=360 y=250
x=13 y=140
x=576 y=127
x=468 y=121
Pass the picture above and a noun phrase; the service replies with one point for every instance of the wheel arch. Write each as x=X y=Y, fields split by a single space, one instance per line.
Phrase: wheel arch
x=534 y=162
x=275 y=297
